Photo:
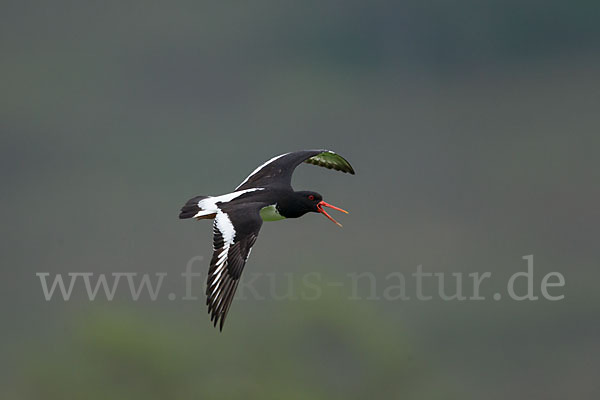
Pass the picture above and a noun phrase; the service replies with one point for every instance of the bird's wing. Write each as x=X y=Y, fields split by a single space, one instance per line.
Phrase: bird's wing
x=234 y=233
x=277 y=172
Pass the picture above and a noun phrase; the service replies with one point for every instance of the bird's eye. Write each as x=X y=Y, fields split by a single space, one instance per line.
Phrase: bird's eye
x=311 y=197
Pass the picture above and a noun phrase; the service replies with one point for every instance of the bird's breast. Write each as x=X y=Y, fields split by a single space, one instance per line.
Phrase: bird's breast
x=270 y=213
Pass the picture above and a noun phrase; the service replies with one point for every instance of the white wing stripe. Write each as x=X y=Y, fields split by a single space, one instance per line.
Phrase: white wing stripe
x=224 y=226
x=217 y=285
x=259 y=168
x=224 y=198
x=209 y=205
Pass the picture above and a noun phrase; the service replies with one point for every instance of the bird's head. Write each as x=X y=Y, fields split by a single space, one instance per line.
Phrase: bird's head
x=306 y=201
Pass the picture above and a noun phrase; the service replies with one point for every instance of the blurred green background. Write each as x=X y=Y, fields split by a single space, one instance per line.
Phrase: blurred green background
x=474 y=130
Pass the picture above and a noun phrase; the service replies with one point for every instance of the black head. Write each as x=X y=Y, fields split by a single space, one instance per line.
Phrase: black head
x=308 y=201
x=303 y=202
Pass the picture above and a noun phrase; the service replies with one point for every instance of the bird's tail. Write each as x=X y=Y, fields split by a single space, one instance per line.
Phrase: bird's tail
x=193 y=209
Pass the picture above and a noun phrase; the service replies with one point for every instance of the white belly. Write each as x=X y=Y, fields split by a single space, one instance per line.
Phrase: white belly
x=270 y=213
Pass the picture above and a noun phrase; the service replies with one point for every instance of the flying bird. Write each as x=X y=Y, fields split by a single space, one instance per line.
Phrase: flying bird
x=265 y=195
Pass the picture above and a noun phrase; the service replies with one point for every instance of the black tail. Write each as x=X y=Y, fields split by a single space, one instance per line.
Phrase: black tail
x=191 y=207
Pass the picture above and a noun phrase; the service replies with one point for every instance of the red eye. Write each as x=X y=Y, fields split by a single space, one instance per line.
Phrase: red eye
x=311 y=197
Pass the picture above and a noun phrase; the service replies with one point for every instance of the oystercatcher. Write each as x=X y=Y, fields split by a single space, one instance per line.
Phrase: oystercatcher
x=265 y=195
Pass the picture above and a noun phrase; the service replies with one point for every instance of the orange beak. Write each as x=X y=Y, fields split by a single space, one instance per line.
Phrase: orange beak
x=322 y=204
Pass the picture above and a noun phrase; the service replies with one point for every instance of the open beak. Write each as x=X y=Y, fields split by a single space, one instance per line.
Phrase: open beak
x=322 y=204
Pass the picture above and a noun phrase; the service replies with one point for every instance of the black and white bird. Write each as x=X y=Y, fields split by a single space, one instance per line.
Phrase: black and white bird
x=265 y=195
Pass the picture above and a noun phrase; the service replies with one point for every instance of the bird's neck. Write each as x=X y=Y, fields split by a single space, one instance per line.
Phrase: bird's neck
x=290 y=206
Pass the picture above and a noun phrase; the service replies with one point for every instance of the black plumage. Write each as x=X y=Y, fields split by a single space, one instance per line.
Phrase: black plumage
x=266 y=194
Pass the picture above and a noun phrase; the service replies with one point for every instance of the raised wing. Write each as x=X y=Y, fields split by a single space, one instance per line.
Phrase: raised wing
x=234 y=234
x=277 y=172
x=331 y=160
